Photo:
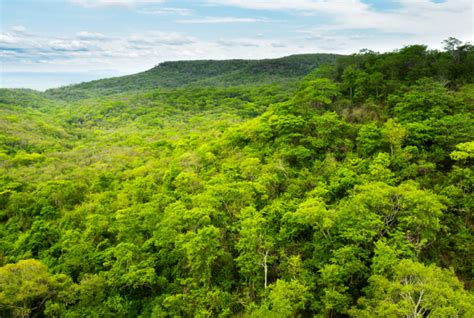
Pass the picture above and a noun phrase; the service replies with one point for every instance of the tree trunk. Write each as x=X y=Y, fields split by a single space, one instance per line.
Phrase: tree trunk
x=265 y=267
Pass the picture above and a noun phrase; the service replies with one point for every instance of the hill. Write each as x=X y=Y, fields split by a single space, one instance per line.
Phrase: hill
x=199 y=73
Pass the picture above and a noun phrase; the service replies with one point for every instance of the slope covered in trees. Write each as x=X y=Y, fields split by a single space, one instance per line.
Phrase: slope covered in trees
x=200 y=73
x=348 y=194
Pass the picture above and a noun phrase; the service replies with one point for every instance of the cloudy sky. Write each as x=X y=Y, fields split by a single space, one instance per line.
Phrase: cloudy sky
x=48 y=43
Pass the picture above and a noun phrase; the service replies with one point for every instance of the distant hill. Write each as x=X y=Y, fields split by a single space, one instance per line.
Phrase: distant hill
x=23 y=97
x=199 y=73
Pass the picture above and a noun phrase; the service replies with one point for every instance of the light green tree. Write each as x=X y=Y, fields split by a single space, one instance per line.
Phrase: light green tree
x=26 y=286
x=415 y=290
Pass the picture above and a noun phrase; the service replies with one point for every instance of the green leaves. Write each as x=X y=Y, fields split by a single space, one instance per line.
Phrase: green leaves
x=315 y=94
x=415 y=290
x=464 y=153
x=254 y=246
x=425 y=100
x=201 y=249
x=312 y=214
x=378 y=209
x=327 y=199
x=285 y=299
x=27 y=285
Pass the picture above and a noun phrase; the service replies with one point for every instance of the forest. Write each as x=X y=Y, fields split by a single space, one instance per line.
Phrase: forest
x=309 y=186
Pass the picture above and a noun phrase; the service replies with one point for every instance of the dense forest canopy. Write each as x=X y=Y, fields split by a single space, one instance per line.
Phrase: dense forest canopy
x=200 y=73
x=313 y=185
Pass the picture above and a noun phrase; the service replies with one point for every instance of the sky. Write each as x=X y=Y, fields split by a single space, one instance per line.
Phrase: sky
x=50 y=43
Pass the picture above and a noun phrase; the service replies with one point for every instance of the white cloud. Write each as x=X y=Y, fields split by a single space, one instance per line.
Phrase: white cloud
x=14 y=36
x=160 y=38
x=113 y=3
x=129 y=53
x=217 y=20
x=419 y=20
x=166 y=11
x=19 y=28
x=8 y=38
x=84 y=35
x=300 y=5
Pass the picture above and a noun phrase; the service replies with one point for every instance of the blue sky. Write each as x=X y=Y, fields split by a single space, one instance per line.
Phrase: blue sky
x=47 y=43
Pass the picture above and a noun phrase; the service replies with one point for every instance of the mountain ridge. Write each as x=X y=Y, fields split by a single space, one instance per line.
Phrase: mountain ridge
x=172 y=74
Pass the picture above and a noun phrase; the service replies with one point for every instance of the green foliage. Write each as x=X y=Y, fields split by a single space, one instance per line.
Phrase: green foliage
x=243 y=188
x=315 y=94
x=26 y=286
x=284 y=299
x=426 y=99
x=199 y=74
x=464 y=153
x=415 y=290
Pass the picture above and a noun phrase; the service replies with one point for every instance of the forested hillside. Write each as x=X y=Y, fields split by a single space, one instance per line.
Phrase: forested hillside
x=200 y=73
x=268 y=190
